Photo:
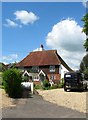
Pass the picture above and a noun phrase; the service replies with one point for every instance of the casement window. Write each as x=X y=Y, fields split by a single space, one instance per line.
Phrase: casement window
x=52 y=77
x=52 y=68
x=35 y=68
x=36 y=78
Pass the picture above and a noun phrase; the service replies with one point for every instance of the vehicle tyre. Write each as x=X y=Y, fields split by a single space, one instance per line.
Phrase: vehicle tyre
x=65 y=89
x=86 y=87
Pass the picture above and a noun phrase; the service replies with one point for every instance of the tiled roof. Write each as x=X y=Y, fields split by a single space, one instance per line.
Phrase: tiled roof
x=41 y=58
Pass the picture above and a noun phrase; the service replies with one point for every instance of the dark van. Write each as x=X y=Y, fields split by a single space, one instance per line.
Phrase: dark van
x=74 y=80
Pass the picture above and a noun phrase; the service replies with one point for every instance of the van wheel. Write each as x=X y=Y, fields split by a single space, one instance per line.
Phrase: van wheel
x=86 y=87
x=65 y=89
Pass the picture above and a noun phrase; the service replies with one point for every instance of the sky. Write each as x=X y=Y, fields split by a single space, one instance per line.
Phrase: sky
x=56 y=25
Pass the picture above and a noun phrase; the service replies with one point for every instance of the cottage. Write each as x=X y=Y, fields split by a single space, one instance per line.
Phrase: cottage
x=43 y=64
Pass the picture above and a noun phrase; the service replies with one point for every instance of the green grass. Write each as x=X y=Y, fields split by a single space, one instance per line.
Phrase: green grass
x=0 y=73
x=1 y=86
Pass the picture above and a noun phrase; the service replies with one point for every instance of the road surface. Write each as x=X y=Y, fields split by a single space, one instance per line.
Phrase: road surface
x=36 y=107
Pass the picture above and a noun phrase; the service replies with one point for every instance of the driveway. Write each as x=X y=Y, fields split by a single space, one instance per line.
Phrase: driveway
x=36 y=107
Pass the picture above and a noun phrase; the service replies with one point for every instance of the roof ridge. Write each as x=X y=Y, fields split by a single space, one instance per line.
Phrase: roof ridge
x=43 y=51
x=55 y=52
x=64 y=63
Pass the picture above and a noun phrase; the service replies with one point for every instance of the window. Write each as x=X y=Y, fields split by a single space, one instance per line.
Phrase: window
x=52 y=68
x=36 y=78
x=52 y=77
x=35 y=68
x=68 y=76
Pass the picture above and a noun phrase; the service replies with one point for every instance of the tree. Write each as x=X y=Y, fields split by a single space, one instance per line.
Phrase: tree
x=2 y=67
x=84 y=63
x=85 y=30
x=84 y=66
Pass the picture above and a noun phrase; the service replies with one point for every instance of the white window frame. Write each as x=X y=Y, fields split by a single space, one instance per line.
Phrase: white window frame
x=52 y=68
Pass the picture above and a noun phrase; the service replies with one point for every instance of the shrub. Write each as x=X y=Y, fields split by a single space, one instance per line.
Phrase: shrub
x=46 y=83
x=12 y=82
x=55 y=86
x=25 y=78
x=60 y=85
x=37 y=86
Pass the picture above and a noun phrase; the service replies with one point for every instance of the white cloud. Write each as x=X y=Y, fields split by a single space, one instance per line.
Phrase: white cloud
x=10 y=23
x=85 y=3
x=37 y=49
x=26 y=17
x=66 y=36
x=9 y=58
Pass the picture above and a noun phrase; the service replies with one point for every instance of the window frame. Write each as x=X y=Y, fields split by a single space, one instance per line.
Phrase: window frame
x=35 y=68
x=52 y=77
x=52 y=68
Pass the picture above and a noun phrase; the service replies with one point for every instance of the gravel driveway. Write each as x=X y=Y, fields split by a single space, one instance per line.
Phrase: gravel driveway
x=73 y=100
x=36 y=107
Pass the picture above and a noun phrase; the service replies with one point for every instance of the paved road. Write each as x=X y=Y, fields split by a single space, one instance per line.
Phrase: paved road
x=36 y=107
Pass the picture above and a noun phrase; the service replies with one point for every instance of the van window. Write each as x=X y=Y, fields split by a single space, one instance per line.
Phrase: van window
x=68 y=76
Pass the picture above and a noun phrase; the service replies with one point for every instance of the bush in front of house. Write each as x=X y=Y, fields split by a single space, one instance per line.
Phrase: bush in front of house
x=46 y=84
x=25 y=78
x=55 y=86
x=37 y=86
x=61 y=84
x=12 y=82
x=58 y=85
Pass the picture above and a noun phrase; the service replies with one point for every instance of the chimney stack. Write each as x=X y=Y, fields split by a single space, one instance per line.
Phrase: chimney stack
x=41 y=48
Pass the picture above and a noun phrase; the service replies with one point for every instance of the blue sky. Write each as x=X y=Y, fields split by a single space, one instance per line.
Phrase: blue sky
x=24 y=35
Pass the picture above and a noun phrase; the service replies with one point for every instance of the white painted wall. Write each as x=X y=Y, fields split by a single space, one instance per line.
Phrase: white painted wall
x=63 y=70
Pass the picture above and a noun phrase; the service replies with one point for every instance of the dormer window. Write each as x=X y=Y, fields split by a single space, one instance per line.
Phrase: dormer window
x=52 y=68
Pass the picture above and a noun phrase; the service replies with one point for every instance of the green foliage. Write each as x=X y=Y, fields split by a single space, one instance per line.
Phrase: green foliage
x=86 y=74
x=55 y=86
x=0 y=78
x=46 y=84
x=1 y=81
x=25 y=78
x=2 y=67
x=13 y=65
x=85 y=30
x=86 y=44
x=84 y=65
x=60 y=85
x=85 y=20
x=37 y=86
x=1 y=86
x=12 y=82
